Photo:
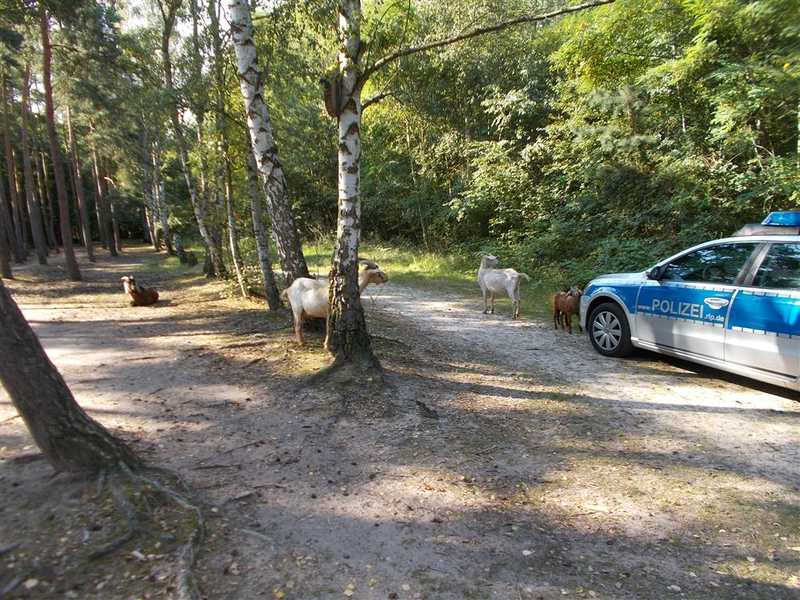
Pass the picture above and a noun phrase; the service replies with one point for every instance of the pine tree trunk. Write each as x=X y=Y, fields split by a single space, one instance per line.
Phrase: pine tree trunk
x=73 y=272
x=260 y=233
x=5 y=229
x=159 y=197
x=83 y=209
x=347 y=338
x=149 y=209
x=101 y=206
x=34 y=208
x=112 y=209
x=18 y=246
x=46 y=200
x=68 y=437
x=7 y=238
x=265 y=150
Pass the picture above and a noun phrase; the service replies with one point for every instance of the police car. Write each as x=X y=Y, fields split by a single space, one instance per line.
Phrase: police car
x=733 y=304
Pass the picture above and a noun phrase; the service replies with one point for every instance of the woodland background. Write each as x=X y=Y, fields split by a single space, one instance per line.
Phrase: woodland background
x=599 y=142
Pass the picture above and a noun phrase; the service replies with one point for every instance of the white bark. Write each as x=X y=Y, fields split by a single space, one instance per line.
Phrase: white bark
x=347 y=336
x=260 y=234
x=263 y=143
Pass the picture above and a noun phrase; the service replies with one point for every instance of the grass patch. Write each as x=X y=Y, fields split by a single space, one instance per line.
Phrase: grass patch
x=434 y=272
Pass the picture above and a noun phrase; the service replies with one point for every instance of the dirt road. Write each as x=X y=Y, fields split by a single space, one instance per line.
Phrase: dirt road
x=544 y=470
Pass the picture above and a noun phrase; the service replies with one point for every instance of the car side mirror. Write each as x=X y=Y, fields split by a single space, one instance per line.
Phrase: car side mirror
x=655 y=273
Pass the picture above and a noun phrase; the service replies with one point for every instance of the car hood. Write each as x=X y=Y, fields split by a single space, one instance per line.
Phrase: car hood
x=617 y=277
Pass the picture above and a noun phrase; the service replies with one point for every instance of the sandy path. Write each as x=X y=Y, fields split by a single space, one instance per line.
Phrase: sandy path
x=753 y=422
x=551 y=472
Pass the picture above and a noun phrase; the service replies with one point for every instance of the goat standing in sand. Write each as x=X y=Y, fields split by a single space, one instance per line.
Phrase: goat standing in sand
x=499 y=281
x=566 y=304
x=140 y=296
x=309 y=297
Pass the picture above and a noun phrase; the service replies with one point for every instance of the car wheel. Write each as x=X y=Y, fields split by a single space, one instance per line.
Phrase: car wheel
x=609 y=330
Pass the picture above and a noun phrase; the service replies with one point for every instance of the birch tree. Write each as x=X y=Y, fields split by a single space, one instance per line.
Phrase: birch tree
x=264 y=148
x=347 y=338
x=260 y=233
x=169 y=15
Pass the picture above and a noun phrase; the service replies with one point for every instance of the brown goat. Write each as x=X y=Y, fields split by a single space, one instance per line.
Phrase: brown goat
x=140 y=296
x=566 y=304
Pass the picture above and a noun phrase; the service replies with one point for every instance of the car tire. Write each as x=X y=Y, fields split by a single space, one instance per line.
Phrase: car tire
x=609 y=330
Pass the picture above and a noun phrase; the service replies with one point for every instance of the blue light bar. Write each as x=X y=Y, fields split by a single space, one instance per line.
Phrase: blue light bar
x=783 y=218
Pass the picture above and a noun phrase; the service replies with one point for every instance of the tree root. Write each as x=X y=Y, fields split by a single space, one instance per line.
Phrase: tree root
x=126 y=507
x=175 y=492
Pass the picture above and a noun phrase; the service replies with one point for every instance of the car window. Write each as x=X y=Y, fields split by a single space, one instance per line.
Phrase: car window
x=780 y=269
x=712 y=264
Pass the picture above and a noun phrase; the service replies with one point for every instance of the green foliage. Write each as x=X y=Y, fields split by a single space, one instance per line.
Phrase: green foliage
x=601 y=143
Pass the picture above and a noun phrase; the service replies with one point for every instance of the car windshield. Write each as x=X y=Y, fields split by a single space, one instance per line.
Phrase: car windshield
x=712 y=264
x=781 y=268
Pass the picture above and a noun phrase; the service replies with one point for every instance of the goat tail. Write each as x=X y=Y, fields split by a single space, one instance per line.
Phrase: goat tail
x=526 y=276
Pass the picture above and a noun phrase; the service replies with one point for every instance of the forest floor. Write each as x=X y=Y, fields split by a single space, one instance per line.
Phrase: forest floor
x=546 y=472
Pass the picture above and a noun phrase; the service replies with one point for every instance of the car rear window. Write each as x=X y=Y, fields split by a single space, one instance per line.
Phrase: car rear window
x=780 y=269
x=712 y=264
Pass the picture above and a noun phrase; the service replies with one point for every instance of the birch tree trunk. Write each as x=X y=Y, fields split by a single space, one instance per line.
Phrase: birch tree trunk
x=73 y=272
x=347 y=338
x=68 y=437
x=236 y=256
x=83 y=209
x=34 y=208
x=168 y=13
x=265 y=150
x=18 y=246
x=260 y=233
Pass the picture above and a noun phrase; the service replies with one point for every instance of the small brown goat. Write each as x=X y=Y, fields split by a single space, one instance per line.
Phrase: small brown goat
x=566 y=304
x=140 y=296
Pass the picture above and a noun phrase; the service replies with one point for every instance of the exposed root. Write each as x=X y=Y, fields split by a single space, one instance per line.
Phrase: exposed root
x=175 y=492
x=186 y=586
x=126 y=507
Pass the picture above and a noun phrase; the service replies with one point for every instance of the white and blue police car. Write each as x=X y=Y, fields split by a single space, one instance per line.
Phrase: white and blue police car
x=732 y=304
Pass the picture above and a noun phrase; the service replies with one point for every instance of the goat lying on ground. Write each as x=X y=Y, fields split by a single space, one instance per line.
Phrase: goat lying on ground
x=499 y=281
x=566 y=304
x=309 y=297
x=140 y=296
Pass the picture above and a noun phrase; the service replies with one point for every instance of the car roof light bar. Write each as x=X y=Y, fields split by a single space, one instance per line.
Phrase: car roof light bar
x=783 y=218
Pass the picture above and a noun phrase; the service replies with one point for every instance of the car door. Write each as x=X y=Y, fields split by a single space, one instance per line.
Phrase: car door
x=686 y=308
x=763 y=330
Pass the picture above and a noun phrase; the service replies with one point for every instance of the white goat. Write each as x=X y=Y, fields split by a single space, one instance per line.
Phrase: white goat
x=309 y=297
x=499 y=281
